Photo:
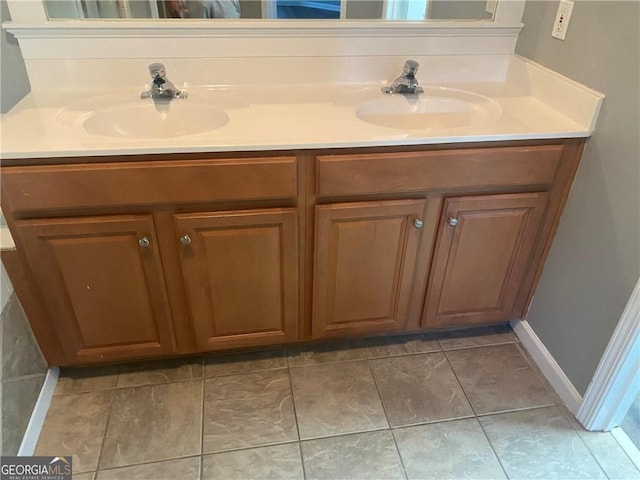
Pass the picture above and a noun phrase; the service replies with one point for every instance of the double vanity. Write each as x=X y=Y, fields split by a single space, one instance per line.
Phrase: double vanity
x=245 y=216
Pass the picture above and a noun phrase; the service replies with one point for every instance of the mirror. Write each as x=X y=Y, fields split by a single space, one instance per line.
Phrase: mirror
x=395 y=10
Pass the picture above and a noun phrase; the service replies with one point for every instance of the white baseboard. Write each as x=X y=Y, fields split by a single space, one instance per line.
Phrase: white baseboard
x=32 y=433
x=550 y=368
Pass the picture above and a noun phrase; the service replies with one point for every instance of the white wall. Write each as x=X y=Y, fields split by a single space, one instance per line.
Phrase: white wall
x=594 y=262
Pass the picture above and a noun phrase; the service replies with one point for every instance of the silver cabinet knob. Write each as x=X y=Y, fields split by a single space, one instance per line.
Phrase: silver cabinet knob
x=453 y=221
x=417 y=223
x=144 y=242
x=185 y=239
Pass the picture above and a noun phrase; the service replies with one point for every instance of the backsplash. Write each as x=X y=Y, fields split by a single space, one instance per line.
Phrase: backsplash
x=128 y=72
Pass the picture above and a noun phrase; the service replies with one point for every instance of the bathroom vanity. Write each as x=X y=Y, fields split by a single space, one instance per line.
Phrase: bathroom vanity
x=300 y=213
x=121 y=257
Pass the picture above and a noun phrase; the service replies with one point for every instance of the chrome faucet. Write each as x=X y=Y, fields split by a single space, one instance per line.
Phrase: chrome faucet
x=407 y=82
x=161 y=87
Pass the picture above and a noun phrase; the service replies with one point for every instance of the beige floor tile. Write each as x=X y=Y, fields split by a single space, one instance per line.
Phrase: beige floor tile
x=336 y=399
x=159 y=371
x=84 y=476
x=328 y=352
x=89 y=379
x=183 y=469
x=218 y=365
x=540 y=443
x=419 y=388
x=357 y=456
x=336 y=393
x=277 y=462
x=457 y=449
x=609 y=455
x=75 y=425
x=367 y=455
x=498 y=378
x=401 y=345
x=248 y=410
x=153 y=423
x=476 y=337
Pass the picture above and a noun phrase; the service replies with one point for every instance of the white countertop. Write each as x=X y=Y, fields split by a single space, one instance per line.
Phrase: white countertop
x=535 y=103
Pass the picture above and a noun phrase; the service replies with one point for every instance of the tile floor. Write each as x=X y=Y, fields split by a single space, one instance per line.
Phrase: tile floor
x=466 y=404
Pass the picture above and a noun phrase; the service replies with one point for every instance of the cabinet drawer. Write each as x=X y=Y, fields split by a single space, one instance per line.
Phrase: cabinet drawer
x=405 y=172
x=148 y=183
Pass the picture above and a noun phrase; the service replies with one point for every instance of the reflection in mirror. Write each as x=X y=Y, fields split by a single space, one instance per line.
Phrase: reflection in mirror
x=415 y=10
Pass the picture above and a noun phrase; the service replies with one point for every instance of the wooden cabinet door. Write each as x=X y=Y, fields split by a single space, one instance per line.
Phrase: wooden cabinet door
x=482 y=254
x=241 y=273
x=101 y=280
x=364 y=266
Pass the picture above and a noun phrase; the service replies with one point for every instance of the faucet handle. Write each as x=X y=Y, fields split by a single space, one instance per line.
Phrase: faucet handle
x=410 y=68
x=157 y=70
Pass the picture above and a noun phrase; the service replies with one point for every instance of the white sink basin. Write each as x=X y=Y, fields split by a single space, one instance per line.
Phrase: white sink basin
x=160 y=119
x=125 y=115
x=438 y=108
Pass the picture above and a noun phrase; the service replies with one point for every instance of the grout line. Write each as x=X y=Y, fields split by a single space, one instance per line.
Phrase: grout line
x=251 y=447
x=493 y=448
x=395 y=443
x=468 y=347
x=146 y=384
x=350 y=360
x=204 y=379
x=432 y=422
x=246 y=359
x=477 y=417
x=519 y=409
x=455 y=375
x=355 y=432
x=295 y=417
x=246 y=372
x=386 y=416
x=106 y=429
x=406 y=354
x=375 y=384
x=150 y=462
x=304 y=471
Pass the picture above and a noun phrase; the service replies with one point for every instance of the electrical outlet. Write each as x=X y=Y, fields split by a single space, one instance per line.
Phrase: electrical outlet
x=562 y=19
x=490 y=6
